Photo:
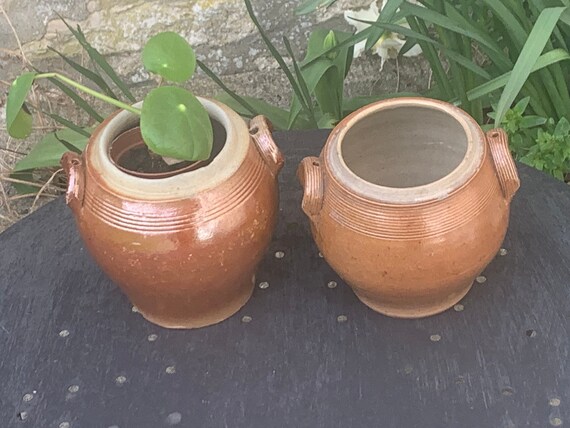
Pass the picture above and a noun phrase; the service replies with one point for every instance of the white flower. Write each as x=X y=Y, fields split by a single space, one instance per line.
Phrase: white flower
x=389 y=45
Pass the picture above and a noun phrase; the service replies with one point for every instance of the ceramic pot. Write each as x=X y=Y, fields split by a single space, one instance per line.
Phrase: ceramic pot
x=409 y=202
x=184 y=247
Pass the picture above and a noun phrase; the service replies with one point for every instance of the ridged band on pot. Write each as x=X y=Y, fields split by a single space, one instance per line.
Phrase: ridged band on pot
x=411 y=248
x=183 y=248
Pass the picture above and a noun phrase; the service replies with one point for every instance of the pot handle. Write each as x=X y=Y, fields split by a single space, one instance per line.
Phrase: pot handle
x=72 y=164
x=311 y=177
x=260 y=129
x=504 y=163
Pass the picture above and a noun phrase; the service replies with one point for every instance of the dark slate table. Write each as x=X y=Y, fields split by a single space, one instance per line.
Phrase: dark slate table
x=74 y=354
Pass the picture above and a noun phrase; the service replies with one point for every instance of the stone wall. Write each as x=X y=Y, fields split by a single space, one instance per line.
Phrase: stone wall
x=220 y=31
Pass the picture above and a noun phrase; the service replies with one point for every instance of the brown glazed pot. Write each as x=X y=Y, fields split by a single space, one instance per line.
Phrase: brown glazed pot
x=184 y=248
x=409 y=202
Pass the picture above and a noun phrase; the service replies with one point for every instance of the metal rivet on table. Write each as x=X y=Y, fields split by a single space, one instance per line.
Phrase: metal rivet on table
x=170 y=370
x=28 y=397
x=342 y=318
x=246 y=318
x=173 y=418
x=321 y=255
x=64 y=333
x=435 y=338
x=458 y=308
x=64 y=425
x=152 y=337
x=73 y=389
x=279 y=254
x=135 y=309
x=554 y=402
x=332 y=284
x=263 y=285
x=120 y=380
x=503 y=252
x=555 y=422
x=481 y=279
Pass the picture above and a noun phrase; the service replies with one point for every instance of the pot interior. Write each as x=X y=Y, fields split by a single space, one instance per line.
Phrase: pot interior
x=405 y=146
x=130 y=154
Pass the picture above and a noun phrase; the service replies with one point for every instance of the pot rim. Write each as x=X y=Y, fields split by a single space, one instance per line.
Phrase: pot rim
x=436 y=190
x=182 y=185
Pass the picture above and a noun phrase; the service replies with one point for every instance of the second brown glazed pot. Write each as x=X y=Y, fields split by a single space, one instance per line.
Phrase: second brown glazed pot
x=409 y=202
x=184 y=247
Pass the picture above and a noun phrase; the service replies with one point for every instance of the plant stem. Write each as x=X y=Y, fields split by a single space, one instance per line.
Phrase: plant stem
x=90 y=91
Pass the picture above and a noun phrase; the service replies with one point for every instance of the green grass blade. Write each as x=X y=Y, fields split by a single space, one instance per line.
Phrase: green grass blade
x=419 y=35
x=386 y=15
x=309 y=6
x=509 y=20
x=89 y=74
x=530 y=53
x=491 y=86
x=67 y=124
x=241 y=100
x=99 y=59
x=351 y=41
x=302 y=83
x=80 y=102
x=464 y=28
x=277 y=56
x=48 y=151
x=276 y=115
x=67 y=144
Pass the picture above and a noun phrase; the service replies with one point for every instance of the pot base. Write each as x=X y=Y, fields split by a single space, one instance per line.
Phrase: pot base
x=192 y=322
x=411 y=312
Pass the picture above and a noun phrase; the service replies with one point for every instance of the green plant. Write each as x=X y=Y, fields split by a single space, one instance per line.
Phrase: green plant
x=174 y=124
x=317 y=82
x=551 y=153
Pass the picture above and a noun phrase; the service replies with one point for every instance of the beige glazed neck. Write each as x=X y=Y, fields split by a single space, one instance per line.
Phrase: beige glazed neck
x=376 y=151
x=183 y=185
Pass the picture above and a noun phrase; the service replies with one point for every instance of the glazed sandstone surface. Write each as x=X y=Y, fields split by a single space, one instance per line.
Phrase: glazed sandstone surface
x=183 y=248
x=412 y=247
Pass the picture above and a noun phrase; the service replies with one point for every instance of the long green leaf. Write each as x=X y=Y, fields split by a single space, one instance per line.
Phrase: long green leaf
x=240 y=100
x=89 y=74
x=386 y=15
x=311 y=5
x=68 y=124
x=530 y=53
x=491 y=86
x=48 y=151
x=277 y=56
x=80 y=102
x=351 y=41
x=460 y=59
x=509 y=20
x=99 y=59
x=464 y=28
x=301 y=80
x=276 y=115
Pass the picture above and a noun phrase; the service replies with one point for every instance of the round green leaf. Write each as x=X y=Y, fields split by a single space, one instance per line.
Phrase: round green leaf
x=18 y=118
x=175 y=124
x=170 y=56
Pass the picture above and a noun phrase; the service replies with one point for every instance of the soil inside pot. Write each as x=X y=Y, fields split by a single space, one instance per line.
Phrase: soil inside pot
x=405 y=146
x=130 y=153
